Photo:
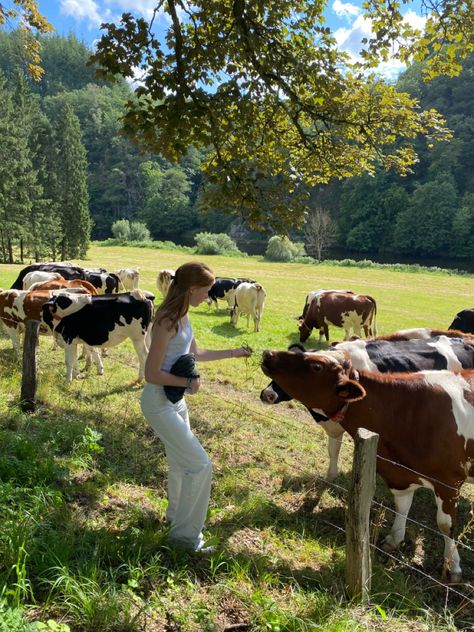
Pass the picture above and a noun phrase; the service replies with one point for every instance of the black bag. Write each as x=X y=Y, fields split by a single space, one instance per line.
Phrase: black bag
x=185 y=366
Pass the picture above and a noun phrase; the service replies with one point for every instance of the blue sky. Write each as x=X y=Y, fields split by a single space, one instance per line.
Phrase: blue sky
x=83 y=18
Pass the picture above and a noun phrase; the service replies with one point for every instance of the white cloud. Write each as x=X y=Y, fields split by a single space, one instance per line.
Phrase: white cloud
x=345 y=9
x=84 y=10
x=142 y=7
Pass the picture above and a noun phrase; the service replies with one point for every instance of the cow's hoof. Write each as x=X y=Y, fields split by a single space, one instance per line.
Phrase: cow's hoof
x=389 y=544
x=454 y=578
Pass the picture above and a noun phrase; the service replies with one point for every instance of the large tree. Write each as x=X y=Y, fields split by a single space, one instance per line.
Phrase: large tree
x=264 y=86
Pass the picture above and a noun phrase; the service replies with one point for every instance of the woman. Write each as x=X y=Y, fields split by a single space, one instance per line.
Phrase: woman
x=189 y=467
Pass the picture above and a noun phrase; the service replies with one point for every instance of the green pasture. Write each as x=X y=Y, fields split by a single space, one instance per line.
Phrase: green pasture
x=83 y=482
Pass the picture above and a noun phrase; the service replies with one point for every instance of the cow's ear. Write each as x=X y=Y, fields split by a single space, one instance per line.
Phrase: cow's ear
x=297 y=348
x=350 y=391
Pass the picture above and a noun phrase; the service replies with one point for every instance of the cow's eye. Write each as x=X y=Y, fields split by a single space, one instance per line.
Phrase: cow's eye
x=315 y=366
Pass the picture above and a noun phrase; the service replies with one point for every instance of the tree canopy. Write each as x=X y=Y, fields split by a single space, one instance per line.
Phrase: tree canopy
x=264 y=86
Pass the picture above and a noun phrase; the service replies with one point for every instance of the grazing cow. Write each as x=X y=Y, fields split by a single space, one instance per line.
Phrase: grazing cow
x=65 y=269
x=250 y=300
x=425 y=422
x=104 y=282
x=99 y=321
x=341 y=309
x=39 y=276
x=129 y=278
x=464 y=321
x=385 y=356
x=163 y=281
x=224 y=290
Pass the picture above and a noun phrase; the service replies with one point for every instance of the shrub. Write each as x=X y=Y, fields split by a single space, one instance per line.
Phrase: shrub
x=139 y=232
x=216 y=244
x=121 y=230
x=282 y=249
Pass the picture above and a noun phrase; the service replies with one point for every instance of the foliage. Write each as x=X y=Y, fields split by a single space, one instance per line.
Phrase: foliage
x=31 y=23
x=216 y=244
x=266 y=87
x=123 y=230
x=282 y=249
x=320 y=232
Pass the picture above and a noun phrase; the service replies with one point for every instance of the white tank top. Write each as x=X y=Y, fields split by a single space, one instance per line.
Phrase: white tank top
x=179 y=345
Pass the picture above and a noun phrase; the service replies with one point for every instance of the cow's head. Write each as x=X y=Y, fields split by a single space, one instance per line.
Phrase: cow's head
x=63 y=305
x=317 y=379
x=273 y=393
x=304 y=329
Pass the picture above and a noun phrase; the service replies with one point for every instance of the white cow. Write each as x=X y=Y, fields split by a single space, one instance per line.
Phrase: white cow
x=249 y=300
x=163 y=281
x=129 y=277
x=39 y=276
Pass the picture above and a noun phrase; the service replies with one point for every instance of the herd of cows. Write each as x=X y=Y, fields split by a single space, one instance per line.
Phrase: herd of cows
x=414 y=388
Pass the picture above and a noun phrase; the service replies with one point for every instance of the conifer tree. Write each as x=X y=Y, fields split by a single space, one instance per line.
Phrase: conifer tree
x=73 y=195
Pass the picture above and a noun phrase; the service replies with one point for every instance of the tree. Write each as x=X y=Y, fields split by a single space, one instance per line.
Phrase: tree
x=72 y=185
x=320 y=232
x=265 y=87
x=31 y=23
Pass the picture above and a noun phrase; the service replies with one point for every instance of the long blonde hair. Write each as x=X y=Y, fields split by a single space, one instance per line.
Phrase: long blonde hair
x=176 y=303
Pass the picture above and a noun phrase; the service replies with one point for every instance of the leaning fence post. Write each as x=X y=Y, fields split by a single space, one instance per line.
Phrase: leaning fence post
x=30 y=372
x=361 y=493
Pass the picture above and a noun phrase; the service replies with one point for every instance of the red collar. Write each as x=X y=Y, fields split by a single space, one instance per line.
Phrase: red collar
x=339 y=416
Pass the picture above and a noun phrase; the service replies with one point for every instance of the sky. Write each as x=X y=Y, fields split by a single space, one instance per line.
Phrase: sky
x=83 y=18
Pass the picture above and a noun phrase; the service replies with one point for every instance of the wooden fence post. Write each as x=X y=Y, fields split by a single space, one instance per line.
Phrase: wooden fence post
x=361 y=493
x=30 y=372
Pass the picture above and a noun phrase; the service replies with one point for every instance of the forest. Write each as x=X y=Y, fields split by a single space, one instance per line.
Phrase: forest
x=67 y=173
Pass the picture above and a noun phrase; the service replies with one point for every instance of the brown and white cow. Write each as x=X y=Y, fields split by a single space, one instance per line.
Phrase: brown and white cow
x=249 y=299
x=163 y=281
x=425 y=422
x=65 y=284
x=341 y=309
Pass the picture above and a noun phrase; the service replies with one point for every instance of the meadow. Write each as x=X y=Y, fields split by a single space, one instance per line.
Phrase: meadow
x=83 y=482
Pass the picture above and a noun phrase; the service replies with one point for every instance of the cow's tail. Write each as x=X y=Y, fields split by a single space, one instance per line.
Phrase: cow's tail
x=373 y=318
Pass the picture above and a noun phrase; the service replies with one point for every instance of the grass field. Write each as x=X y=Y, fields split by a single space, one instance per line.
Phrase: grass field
x=83 y=483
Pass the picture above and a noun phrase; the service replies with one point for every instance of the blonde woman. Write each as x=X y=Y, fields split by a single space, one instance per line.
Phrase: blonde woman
x=172 y=351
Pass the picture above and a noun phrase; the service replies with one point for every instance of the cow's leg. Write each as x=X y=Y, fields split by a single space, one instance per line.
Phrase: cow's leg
x=70 y=353
x=403 y=499
x=326 y=331
x=256 y=322
x=347 y=333
x=142 y=352
x=14 y=335
x=446 y=524
x=93 y=355
x=334 y=447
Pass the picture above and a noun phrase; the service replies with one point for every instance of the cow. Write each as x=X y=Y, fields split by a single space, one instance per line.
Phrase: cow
x=425 y=423
x=399 y=355
x=314 y=294
x=249 y=299
x=163 y=281
x=99 y=321
x=341 y=309
x=39 y=276
x=65 y=269
x=18 y=306
x=66 y=284
x=223 y=289
x=464 y=321
x=104 y=282
x=129 y=277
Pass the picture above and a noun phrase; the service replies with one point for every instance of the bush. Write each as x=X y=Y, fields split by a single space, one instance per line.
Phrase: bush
x=216 y=244
x=139 y=232
x=282 y=249
x=121 y=230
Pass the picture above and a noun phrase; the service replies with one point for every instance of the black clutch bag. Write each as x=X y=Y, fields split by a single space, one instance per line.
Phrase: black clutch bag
x=185 y=366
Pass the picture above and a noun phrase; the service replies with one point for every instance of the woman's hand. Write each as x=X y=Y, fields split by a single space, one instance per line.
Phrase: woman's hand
x=241 y=352
x=193 y=388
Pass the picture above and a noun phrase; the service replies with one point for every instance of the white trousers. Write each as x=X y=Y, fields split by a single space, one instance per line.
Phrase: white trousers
x=189 y=467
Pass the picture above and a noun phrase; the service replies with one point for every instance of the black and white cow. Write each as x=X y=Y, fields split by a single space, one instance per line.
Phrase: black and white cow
x=384 y=356
x=224 y=289
x=104 y=282
x=99 y=321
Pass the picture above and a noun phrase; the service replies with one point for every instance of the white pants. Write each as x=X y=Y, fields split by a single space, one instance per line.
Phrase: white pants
x=189 y=467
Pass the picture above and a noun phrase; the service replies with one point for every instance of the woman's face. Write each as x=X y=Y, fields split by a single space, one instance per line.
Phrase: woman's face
x=198 y=294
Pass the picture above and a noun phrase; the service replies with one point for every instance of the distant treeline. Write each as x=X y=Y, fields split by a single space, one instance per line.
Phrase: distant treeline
x=66 y=173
